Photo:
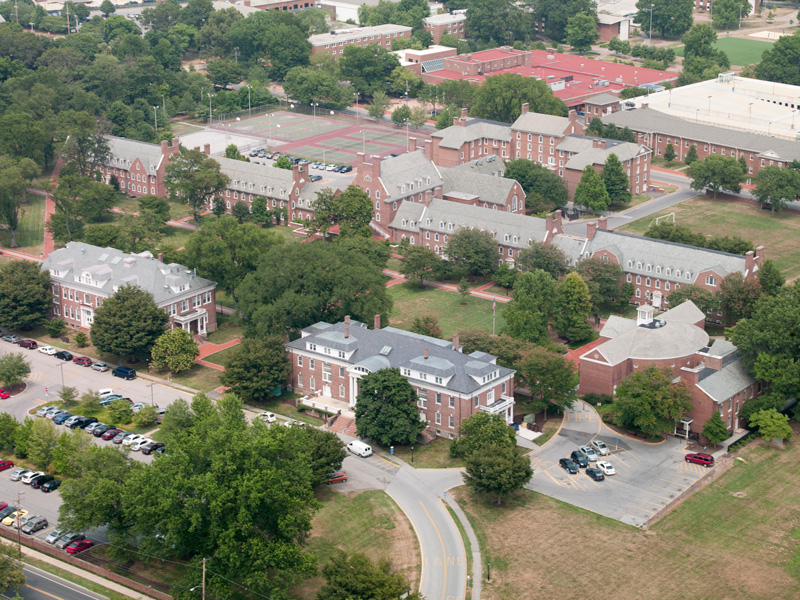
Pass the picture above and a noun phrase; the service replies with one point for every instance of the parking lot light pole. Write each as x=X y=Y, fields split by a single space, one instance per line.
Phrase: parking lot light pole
x=150 y=385
x=61 y=365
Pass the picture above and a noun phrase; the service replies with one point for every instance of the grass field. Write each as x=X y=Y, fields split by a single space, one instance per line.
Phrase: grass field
x=412 y=301
x=714 y=546
x=368 y=522
x=30 y=232
x=740 y=51
x=220 y=358
x=778 y=233
x=226 y=330
x=435 y=455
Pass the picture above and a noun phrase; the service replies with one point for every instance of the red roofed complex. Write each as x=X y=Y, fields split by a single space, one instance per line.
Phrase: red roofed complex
x=572 y=78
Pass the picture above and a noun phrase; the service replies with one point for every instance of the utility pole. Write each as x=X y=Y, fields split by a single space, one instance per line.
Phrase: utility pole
x=155 y=116
x=204 y=579
x=19 y=528
x=67 y=7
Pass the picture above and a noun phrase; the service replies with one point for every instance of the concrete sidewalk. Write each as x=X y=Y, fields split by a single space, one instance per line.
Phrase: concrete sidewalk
x=114 y=587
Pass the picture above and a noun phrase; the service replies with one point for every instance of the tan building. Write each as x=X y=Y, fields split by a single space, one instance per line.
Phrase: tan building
x=334 y=42
x=454 y=24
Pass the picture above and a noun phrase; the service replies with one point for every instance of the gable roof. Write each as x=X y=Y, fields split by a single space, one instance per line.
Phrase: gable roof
x=603 y=99
x=111 y=268
x=126 y=151
x=730 y=380
x=587 y=154
x=649 y=120
x=531 y=122
x=259 y=175
x=490 y=189
x=488 y=165
x=398 y=173
x=456 y=136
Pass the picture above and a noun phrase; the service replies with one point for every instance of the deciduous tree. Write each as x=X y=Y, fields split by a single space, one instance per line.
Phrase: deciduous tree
x=582 y=31
x=778 y=63
x=482 y=430
x=548 y=258
x=15 y=177
x=380 y=104
x=500 y=98
x=350 y=209
x=367 y=68
x=401 y=115
x=508 y=350
x=68 y=395
x=551 y=378
x=617 y=184
x=176 y=350
x=648 y=402
x=473 y=251
x=196 y=179
x=326 y=451
x=669 y=153
x=603 y=279
x=12 y=576
x=25 y=295
x=573 y=305
x=556 y=13
x=776 y=186
x=691 y=155
x=738 y=296
x=539 y=179
x=256 y=369
x=14 y=368
x=770 y=277
x=497 y=471
x=591 y=191
x=727 y=13
x=42 y=443
x=426 y=325
x=671 y=17
x=386 y=408
x=419 y=263
x=771 y=424
x=128 y=323
x=356 y=576
x=719 y=173
x=701 y=297
x=527 y=315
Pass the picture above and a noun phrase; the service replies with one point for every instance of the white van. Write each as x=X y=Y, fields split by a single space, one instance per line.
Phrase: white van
x=360 y=448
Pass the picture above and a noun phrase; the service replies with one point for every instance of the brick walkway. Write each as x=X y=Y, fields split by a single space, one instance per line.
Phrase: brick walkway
x=208 y=349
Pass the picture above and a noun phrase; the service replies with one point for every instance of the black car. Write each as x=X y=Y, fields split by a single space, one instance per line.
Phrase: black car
x=7 y=511
x=347 y=169
x=151 y=447
x=569 y=465
x=51 y=485
x=580 y=458
x=595 y=474
x=100 y=430
x=124 y=372
x=63 y=355
x=83 y=422
x=37 y=482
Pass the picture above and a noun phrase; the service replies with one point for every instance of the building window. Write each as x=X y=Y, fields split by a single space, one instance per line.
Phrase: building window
x=312 y=363
x=299 y=361
x=438 y=418
x=451 y=421
x=710 y=280
x=312 y=383
x=300 y=380
x=452 y=402
x=477 y=401
x=326 y=372
x=438 y=398
x=341 y=391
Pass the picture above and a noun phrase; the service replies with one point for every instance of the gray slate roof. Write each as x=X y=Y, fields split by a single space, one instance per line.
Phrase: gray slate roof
x=456 y=136
x=411 y=167
x=587 y=154
x=649 y=120
x=244 y=173
x=602 y=99
x=659 y=253
x=538 y=123
x=441 y=213
x=489 y=165
x=405 y=350
x=490 y=189
x=126 y=151
x=356 y=33
x=308 y=194
x=725 y=383
x=112 y=268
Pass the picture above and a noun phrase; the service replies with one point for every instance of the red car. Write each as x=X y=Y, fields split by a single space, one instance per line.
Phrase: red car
x=700 y=459
x=79 y=546
x=5 y=464
x=4 y=395
x=110 y=434
x=29 y=344
x=337 y=477
x=3 y=505
x=84 y=361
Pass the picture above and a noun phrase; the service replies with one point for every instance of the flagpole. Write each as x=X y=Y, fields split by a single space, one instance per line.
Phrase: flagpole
x=494 y=313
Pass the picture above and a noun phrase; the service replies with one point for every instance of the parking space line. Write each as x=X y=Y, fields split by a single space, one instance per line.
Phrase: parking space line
x=646 y=511
x=556 y=481
x=656 y=495
x=578 y=484
x=658 y=487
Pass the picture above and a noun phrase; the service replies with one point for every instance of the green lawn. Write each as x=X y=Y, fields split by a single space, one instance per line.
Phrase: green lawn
x=226 y=330
x=220 y=358
x=740 y=51
x=435 y=455
x=369 y=522
x=778 y=233
x=411 y=301
x=30 y=232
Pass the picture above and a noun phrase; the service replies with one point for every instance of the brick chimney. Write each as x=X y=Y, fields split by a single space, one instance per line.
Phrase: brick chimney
x=160 y=257
x=464 y=112
x=376 y=322
x=175 y=143
x=645 y=105
x=525 y=107
x=557 y=222
x=573 y=115
x=591 y=229
x=713 y=362
x=427 y=146
x=598 y=143
x=690 y=375
x=456 y=344
x=426 y=354
x=164 y=146
x=602 y=223
x=427 y=197
x=207 y=149
x=412 y=144
x=347 y=319
x=346 y=332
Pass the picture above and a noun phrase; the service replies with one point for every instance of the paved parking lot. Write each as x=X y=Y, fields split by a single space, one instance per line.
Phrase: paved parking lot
x=648 y=478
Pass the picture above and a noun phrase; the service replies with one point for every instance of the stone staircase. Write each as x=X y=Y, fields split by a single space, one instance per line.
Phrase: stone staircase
x=428 y=435
x=342 y=424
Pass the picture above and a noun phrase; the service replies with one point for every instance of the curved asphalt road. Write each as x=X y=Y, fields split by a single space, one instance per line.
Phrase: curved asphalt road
x=41 y=585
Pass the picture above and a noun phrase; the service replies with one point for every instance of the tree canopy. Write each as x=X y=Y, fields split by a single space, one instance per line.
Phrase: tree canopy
x=482 y=430
x=718 y=173
x=776 y=186
x=25 y=296
x=582 y=31
x=572 y=307
x=176 y=350
x=648 y=402
x=551 y=378
x=350 y=209
x=779 y=63
x=528 y=314
x=195 y=179
x=591 y=191
x=500 y=98
x=535 y=178
x=556 y=14
x=256 y=368
x=670 y=17
x=386 y=408
x=473 y=251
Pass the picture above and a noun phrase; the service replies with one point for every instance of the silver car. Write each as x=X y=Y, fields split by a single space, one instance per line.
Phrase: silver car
x=99 y=366
x=66 y=539
x=54 y=536
x=18 y=474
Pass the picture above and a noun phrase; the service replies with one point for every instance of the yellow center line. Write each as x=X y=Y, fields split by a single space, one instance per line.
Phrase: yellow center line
x=43 y=592
x=441 y=542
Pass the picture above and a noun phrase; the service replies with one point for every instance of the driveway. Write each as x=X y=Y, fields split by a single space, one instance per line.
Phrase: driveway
x=649 y=476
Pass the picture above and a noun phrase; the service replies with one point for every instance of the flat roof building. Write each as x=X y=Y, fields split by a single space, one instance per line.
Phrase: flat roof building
x=334 y=41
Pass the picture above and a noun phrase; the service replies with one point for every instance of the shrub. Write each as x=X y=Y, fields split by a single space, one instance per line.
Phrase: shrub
x=55 y=327
x=595 y=399
x=146 y=416
x=120 y=410
x=81 y=339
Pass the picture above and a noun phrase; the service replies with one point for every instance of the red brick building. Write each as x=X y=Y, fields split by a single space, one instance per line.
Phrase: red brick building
x=335 y=41
x=139 y=166
x=676 y=339
x=576 y=152
x=83 y=276
x=329 y=360
x=454 y=24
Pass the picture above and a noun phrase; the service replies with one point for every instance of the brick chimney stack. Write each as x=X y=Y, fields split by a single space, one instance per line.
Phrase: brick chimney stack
x=525 y=107
x=427 y=145
x=602 y=223
x=377 y=322
x=207 y=149
x=456 y=344
x=347 y=319
x=426 y=354
x=598 y=143
x=591 y=229
x=412 y=144
x=346 y=332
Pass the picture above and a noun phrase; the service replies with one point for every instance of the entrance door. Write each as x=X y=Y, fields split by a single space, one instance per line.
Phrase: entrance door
x=326 y=391
x=87 y=317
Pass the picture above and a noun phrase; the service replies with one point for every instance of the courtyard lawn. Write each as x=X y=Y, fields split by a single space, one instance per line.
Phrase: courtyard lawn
x=30 y=232
x=738 y=537
x=778 y=233
x=740 y=51
x=369 y=522
x=411 y=301
x=220 y=358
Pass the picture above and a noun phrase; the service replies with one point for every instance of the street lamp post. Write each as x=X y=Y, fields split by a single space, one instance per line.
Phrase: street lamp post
x=248 y=100
x=210 y=118
x=357 y=95
x=314 y=106
x=412 y=455
x=651 y=23
x=164 y=104
x=152 y=401
x=488 y=571
x=62 y=373
x=155 y=116
x=697 y=116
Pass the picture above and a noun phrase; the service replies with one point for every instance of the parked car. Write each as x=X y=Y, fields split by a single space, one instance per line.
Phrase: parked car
x=12 y=517
x=19 y=522
x=106 y=400
x=66 y=539
x=29 y=344
x=63 y=355
x=589 y=452
x=111 y=434
x=137 y=406
x=99 y=366
x=120 y=436
x=49 y=350
x=151 y=447
x=53 y=410
x=595 y=474
x=28 y=477
x=83 y=422
x=43 y=409
x=137 y=445
x=315 y=177
x=132 y=439
x=50 y=485
x=700 y=459
x=600 y=448
x=83 y=361
x=124 y=373
x=4 y=512
x=4 y=394
x=18 y=473
x=14 y=339
x=54 y=536
x=100 y=429
x=71 y=420
x=5 y=464
x=52 y=415
x=606 y=467
x=569 y=465
x=34 y=525
x=580 y=458
x=60 y=419
x=347 y=169
x=79 y=546
x=3 y=505
x=268 y=417
x=337 y=477
x=92 y=426
x=37 y=482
